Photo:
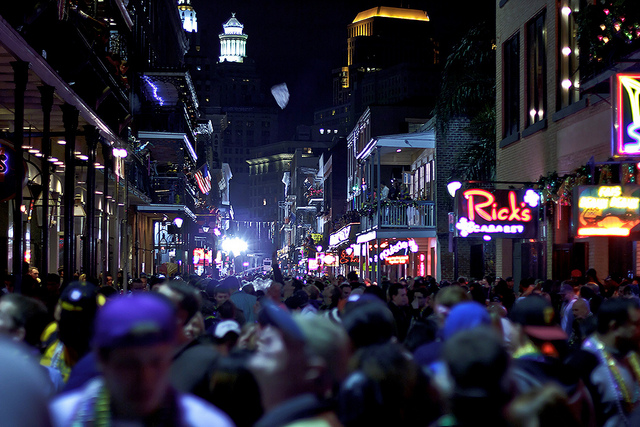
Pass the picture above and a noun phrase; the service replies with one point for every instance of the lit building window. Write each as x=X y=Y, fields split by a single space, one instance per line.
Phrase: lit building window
x=568 y=90
x=536 y=69
x=511 y=86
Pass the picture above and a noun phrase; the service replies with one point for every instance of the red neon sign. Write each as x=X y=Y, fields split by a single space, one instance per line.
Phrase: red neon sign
x=627 y=137
x=397 y=259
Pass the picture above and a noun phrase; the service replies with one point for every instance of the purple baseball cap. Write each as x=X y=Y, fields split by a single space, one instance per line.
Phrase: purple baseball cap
x=135 y=320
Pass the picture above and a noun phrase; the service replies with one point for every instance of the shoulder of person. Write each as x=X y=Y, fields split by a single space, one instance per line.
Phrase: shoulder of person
x=197 y=412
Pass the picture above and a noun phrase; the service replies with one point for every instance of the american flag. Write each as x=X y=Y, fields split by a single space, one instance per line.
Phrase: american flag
x=203 y=178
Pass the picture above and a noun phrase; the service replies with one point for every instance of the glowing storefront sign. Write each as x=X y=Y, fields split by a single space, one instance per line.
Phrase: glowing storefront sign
x=348 y=255
x=202 y=257
x=503 y=213
x=313 y=264
x=611 y=210
x=397 y=259
x=421 y=267
x=340 y=236
x=402 y=247
x=627 y=127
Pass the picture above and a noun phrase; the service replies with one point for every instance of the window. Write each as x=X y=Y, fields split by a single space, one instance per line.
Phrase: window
x=536 y=70
x=568 y=89
x=511 y=86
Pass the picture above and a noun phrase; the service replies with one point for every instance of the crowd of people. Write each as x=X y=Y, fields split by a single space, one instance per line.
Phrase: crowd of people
x=321 y=351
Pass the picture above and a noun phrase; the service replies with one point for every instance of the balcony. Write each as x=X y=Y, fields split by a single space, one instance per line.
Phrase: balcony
x=398 y=214
x=173 y=189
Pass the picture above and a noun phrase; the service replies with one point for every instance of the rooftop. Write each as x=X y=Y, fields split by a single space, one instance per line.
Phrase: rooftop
x=392 y=12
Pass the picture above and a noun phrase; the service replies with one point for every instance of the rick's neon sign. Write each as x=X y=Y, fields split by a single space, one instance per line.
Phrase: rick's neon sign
x=502 y=213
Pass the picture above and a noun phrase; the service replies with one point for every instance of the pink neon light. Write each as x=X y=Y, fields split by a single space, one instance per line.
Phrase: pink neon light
x=621 y=127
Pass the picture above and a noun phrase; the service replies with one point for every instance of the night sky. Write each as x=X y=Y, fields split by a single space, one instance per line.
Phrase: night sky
x=299 y=42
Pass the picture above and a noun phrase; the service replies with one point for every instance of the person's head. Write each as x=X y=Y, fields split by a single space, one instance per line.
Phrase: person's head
x=328 y=350
x=567 y=290
x=134 y=343
x=618 y=321
x=580 y=308
x=227 y=310
x=398 y=295
x=352 y=276
x=221 y=295
x=330 y=295
x=231 y=284
x=447 y=298
x=78 y=305
x=534 y=318
x=274 y=292
x=280 y=363
x=22 y=318
x=345 y=290
x=226 y=334
x=368 y=321
x=420 y=297
x=109 y=279
x=33 y=272
x=187 y=302
x=137 y=285
x=478 y=364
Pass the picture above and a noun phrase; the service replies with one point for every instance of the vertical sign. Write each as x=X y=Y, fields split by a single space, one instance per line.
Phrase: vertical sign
x=626 y=132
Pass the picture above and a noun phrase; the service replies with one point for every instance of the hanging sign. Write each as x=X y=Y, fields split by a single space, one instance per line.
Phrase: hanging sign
x=9 y=176
x=606 y=210
x=626 y=134
x=501 y=213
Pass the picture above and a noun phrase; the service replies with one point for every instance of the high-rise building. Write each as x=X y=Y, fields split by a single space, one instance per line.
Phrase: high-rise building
x=392 y=59
x=233 y=42
x=188 y=16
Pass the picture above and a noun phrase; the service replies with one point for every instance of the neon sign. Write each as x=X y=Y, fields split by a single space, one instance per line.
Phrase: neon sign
x=340 y=236
x=627 y=135
x=397 y=259
x=503 y=213
x=606 y=210
x=348 y=256
x=402 y=247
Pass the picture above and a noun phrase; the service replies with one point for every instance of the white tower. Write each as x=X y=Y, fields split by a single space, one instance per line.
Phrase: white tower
x=233 y=44
x=188 y=16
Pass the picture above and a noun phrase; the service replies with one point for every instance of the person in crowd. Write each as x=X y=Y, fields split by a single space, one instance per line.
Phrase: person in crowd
x=478 y=364
x=421 y=306
x=193 y=356
x=537 y=359
x=446 y=299
x=584 y=324
x=615 y=371
x=70 y=341
x=345 y=292
x=569 y=297
x=399 y=306
x=24 y=387
x=226 y=334
x=134 y=345
x=23 y=319
x=291 y=377
x=387 y=388
x=547 y=405
x=240 y=298
x=31 y=283
x=137 y=285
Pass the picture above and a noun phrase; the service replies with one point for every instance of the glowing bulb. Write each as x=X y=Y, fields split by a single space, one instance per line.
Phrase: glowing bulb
x=566 y=83
x=566 y=51
x=566 y=11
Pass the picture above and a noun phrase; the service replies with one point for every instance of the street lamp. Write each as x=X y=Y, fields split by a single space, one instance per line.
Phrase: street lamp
x=178 y=222
x=205 y=228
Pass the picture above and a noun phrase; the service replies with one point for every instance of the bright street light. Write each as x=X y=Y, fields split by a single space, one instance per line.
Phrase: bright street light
x=234 y=245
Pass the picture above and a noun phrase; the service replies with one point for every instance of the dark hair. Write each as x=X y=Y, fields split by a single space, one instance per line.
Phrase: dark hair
x=394 y=288
x=352 y=276
x=189 y=298
x=422 y=331
x=615 y=309
x=227 y=310
x=369 y=323
x=30 y=314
